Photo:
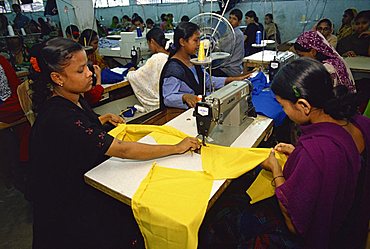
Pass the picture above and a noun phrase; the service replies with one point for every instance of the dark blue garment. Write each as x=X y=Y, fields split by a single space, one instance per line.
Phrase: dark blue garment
x=264 y=100
x=110 y=77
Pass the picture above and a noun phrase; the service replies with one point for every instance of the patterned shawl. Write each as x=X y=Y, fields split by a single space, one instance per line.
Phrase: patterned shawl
x=5 y=91
x=315 y=40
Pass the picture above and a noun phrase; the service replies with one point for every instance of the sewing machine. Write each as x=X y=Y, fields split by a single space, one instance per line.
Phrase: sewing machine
x=130 y=41
x=222 y=116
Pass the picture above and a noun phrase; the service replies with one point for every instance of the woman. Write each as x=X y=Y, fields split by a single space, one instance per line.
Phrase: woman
x=115 y=22
x=271 y=29
x=180 y=81
x=89 y=38
x=145 y=80
x=10 y=108
x=325 y=27
x=322 y=195
x=359 y=42
x=253 y=26
x=67 y=140
x=347 y=24
x=312 y=44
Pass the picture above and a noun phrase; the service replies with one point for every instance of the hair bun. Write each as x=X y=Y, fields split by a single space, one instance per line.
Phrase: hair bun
x=342 y=105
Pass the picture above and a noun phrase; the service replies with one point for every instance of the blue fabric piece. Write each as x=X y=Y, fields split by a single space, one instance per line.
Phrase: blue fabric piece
x=259 y=83
x=264 y=100
x=110 y=77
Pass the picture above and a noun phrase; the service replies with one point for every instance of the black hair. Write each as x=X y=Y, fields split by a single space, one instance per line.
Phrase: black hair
x=88 y=35
x=137 y=19
x=126 y=17
x=184 y=30
x=149 y=21
x=115 y=17
x=73 y=31
x=163 y=17
x=253 y=14
x=269 y=15
x=327 y=21
x=52 y=55
x=350 y=12
x=308 y=79
x=158 y=36
x=185 y=19
x=238 y=13
x=363 y=14
x=16 y=7
x=319 y=56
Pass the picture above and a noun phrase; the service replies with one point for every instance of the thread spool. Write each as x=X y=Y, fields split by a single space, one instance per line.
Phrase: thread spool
x=10 y=30
x=201 y=55
x=139 y=108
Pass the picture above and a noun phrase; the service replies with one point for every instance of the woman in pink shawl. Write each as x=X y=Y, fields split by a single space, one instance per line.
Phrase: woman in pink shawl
x=313 y=44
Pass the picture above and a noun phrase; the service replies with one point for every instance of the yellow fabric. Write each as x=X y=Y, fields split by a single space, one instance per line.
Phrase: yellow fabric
x=162 y=134
x=228 y=163
x=262 y=188
x=169 y=207
x=170 y=204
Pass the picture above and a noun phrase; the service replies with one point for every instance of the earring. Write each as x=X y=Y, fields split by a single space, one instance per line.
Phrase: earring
x=61 y=84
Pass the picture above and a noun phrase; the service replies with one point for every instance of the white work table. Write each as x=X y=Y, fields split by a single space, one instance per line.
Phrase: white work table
x=120 y=178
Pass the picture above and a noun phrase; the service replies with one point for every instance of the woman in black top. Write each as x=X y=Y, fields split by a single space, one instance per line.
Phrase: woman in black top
x=67 y=140
x=253 y=26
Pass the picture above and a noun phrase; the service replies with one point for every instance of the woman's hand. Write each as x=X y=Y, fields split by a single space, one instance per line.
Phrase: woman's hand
x=286 y=149
x=131 y=69
x=190 y=99
x=189 y=143
x=272 y=164
x=111 y=118
x=349 y=54
x=97 y=71
x=237 y=78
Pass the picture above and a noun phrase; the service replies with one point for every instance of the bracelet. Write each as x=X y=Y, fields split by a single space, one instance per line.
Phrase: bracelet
x=273 y=180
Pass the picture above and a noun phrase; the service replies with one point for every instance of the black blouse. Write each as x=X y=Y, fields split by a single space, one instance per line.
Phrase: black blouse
x=67 y=141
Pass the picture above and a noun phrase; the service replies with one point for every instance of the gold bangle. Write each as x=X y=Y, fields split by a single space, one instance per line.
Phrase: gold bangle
x=273 y=180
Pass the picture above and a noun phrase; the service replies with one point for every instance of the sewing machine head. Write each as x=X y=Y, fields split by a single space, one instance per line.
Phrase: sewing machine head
x=225 y=114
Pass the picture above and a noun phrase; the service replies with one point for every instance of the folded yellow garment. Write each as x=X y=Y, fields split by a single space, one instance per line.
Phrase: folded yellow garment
x=262 y=188
x=162 y=134
x=169 y=207
x=229 y=163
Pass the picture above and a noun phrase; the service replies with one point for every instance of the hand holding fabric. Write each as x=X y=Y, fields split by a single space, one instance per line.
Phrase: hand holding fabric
x=188 y=143
x=272 y=164
x=97 y=71
x=284 y=148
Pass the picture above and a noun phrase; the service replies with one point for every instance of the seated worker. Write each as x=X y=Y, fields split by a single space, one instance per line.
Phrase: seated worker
x=90 y=37
x=181 y=81
x=359 y=42
x=145 y=80
x=10 y=108
x=126 y=23
x=115 y=22
x=253 y=26
x=313 y=44
x=20 y=20
x=322 y=194
x=73 y=33
x=347 y=24
x=137 y=22
x=67 y=140
x=149 y=23
x=325 y=27
x=271 y=29
x=233 y=66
